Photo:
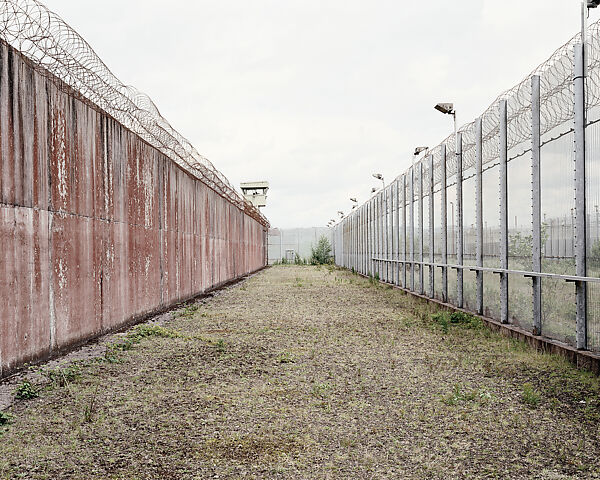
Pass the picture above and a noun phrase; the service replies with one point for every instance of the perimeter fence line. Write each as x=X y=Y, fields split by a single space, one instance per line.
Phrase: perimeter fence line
x=503 y=218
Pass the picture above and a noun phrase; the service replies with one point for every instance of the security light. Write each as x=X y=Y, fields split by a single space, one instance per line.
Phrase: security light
x=378 y=176
x=447 y=108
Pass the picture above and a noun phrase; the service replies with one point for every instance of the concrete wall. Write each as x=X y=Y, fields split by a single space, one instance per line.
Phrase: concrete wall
x=97 y=228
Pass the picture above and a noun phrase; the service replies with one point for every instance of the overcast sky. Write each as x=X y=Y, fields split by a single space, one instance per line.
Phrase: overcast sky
x=316 y=95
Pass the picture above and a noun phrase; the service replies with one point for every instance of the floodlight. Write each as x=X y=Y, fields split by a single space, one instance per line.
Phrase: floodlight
x=447 y=108
x=378 y=176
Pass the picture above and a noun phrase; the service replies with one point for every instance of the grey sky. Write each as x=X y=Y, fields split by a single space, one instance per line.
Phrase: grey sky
x=314 y=96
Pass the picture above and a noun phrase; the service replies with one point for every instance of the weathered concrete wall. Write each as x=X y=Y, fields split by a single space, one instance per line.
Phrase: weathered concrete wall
x=97 y=227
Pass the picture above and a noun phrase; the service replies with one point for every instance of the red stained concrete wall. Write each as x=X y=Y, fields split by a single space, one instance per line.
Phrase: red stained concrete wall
x=97 y=228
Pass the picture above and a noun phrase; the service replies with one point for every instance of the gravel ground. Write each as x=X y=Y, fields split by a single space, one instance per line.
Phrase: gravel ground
x=301 y=373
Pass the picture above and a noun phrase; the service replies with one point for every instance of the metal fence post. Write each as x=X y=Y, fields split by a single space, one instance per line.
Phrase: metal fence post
x=421 y=228
x=580 y=214
x=363 y=238
x=444 y=221
x=404 y=242
x=390 y=256
x=412 y=227
x=379 y=234
x=355 y=238
x=374 y=234
x=459 y=221
x=503 y=212
x=395 y=243
x=397 y=235
x=536 y=203
x=370 y=235
x=380 y=256
x=479 y=211
x=386 y=237
x=431 y=230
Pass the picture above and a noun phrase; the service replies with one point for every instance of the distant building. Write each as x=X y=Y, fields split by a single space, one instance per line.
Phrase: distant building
x=255 y=192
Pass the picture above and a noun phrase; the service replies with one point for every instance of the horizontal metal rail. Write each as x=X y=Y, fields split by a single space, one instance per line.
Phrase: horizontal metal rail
x=473 y=268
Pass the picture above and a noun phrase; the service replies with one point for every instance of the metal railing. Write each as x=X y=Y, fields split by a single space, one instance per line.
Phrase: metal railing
x=533 y=157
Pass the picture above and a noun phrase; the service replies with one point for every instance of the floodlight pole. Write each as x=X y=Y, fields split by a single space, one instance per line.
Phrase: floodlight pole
x=584 y=26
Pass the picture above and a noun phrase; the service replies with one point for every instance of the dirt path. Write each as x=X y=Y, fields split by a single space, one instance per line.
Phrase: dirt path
x=302 y=373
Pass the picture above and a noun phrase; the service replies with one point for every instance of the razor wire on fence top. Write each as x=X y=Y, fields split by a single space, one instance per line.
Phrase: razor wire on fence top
x=58 y=51
x=556 y=75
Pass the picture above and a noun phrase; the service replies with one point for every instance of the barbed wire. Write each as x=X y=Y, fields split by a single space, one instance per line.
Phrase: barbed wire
x=58 y=52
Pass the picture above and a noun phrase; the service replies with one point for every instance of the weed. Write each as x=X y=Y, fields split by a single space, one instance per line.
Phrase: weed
x=443 y=321
x=221 y=346
x=150 y=330
x=321 y=390
x=89 y=410
x=458 y=395
x=188 y=311
x=110 y=355
x=286 y=357
x=26 y=390
x=4 y=418
x=529 y=396
x=135 y=336
x=62 y=376
x=376 y=277
x=461 y=319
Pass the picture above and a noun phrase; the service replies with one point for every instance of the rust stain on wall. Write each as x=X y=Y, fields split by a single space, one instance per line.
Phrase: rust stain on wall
x=97 y=227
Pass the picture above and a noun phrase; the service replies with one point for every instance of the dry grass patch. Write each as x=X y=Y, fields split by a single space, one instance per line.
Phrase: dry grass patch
x=309 y=372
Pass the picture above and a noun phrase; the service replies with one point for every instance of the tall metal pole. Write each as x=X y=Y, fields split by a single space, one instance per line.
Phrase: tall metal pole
x=580 y=213
x=370 y=236
x=397 y=232
x=536 y=226
x=380 y=236
x=412 y=227
x=390 y=240
x=421 y=228
x=459 y=215
x=386 y=194
x=503 y=212
x=404 y=227
x=479 y=210
x=363 y=258
x=431 y=229
x=444 y=221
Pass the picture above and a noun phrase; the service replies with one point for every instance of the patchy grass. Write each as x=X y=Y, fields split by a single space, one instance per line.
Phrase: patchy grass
x=309 y=372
